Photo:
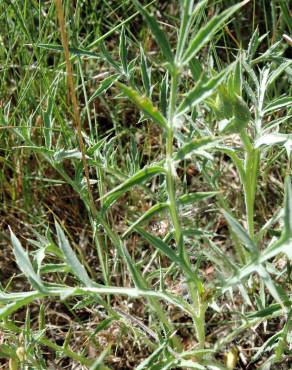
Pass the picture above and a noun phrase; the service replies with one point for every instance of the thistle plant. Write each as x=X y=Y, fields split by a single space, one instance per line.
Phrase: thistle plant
x=201 y=114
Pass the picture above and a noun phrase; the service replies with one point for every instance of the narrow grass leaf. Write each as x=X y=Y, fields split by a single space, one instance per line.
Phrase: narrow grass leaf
x=137 y=179
x=123 y=52
x=70 y=257
x=201 y=91
x=145 y=73
x=159 y=35
x=206 y=33
x=73 y=51
x=25 y=265
x=104 y=86
x=144 y=104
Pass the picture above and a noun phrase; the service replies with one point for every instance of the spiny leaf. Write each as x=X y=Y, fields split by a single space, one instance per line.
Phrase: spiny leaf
x=206 y=33
x=241 y=234
x=144 y=104
x=187 y=149
x=76 y=267
x=277 y=104
x=201 y=91
x=164 y=248
x=159 y=35
x=160 y=207
x=104 y=86
x=284 y=244
x=25 y=265
x=272 y=139
x=138 y=178
x=157 y=208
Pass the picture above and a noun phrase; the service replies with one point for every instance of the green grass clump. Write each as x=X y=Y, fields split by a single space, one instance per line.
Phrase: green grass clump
x=146 y=185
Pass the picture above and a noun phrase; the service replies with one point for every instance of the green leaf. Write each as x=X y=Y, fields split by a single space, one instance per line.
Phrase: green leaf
x=104 y=86
x=163 y=94
x=108 y=57
x=25 y=265
x=278 y=103
x=271 y=139
x=153 y=357
x=160 y=207
x=62 y=154
x=157 y=208
x=98 y=363
x=188 y=14
x=144 y=104
x=207 y=32
x=48 y=119
x=74 y=51
x=70 y=257
x=253 y=44
x=159 y=35
x=284 y=244
x=288 y=208
x=138 y=178
x=164 y=248
x=123 y=51
x=196 y=197
x=241 y=234
x=10 y=308
x=188 y=149
x=145 y=73
x=201 y=91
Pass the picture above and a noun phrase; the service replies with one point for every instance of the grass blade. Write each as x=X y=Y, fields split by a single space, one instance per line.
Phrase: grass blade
x=123 y=52
x=159 y=35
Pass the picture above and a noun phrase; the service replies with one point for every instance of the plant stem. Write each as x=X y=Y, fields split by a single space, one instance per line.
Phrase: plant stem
x=71 y=87
x=250 y=180
x=199 y=314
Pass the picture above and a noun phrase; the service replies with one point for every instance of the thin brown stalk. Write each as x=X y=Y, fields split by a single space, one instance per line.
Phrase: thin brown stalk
x=73 y=97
